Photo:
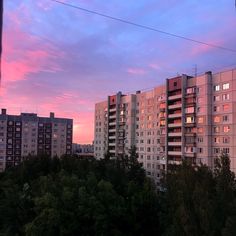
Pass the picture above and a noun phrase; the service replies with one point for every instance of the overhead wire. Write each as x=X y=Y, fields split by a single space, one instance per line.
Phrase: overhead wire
x=145 y=27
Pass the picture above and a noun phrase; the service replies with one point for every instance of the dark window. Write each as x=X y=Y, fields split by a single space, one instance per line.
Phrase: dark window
x=175 y=83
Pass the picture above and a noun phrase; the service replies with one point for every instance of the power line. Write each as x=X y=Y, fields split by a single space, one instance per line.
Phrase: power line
x=145 y=27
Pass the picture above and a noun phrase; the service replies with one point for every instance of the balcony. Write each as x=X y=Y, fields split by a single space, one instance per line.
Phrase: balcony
x=112 y=151
x=175 y=106
x=174 y=153
x=175 y=115
x=112 y=130
x=112 y=117
x=172 y=162
x=175 y=97
x=112 y=123
x=112 y=137
x=112 y=144
x=174 y=143
x=112 y=110
x=190 y=154
x=174 y=134
x=173 y=125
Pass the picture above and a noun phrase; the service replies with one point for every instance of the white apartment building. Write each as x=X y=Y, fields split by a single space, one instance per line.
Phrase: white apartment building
x=189 y=118
x=28 y=134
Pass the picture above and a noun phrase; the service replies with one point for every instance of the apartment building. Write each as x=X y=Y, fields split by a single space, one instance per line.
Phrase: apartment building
x=27 y=134
x=188 y=117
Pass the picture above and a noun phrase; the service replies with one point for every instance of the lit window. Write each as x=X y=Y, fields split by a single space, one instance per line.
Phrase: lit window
x=226 y=107
x=225 y=86
x=217 y=87
x=190 y=90
x=189 y=119
x=216 y=119
x=226 y=129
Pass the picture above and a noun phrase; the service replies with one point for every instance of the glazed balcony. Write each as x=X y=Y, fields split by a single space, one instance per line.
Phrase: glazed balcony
x=175 y=134
x=175 y=106
x=175 y=97
x=174 y=153
x=173 y=125
x=174 y=143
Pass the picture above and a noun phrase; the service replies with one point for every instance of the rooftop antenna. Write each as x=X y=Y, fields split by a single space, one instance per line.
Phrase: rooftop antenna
x=195 y=68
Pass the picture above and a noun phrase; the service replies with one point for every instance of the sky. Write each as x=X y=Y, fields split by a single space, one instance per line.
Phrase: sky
x=64 y=60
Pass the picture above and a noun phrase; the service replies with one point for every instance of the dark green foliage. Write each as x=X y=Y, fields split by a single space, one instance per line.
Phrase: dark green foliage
x=70 y=196
x=198 y=201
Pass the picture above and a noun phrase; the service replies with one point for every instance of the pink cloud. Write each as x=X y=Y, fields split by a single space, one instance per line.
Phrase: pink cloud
x=136 y=71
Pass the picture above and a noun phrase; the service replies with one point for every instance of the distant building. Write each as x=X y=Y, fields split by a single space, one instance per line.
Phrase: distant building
x=192 y=118
x=24 y=134
x=83 y=150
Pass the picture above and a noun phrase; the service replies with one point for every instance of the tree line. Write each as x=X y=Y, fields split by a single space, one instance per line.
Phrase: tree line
x=74 y=196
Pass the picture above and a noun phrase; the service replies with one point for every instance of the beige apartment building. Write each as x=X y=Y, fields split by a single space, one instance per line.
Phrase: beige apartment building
x=27 y=134
x=191 y=118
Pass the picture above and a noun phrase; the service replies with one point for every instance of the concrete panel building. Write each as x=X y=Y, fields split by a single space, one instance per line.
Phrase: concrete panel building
x=191 y=118
x=27 y=134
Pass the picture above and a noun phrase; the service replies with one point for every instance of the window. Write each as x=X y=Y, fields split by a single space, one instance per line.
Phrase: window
x=216 y=108
x=216 y=98
x=200 y=150
x=200 y=120
x=199 y=100
x=216 y=129
x=190 y=90
x=200 y=139
x=225 y=150
x=200 y=130
x=216 y=119
x=225 y=118
x=225 y=107
x=189 y=109
x=217 y=87
x=216 y=150
x=225 y=96
x=226 y=140
x=226 y=129
x=225 y=86
x=216 y=140
x=189 y=119
x=175 y=83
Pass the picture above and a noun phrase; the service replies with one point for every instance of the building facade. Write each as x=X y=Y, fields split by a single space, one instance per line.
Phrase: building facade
x=28 y=134
x=191 y=118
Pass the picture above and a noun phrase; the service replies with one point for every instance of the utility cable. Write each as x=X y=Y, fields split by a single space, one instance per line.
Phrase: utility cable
x=145 y=27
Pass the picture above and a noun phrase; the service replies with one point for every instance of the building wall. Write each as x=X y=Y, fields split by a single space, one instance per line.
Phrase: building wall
x=28 y=134
x=191 y=118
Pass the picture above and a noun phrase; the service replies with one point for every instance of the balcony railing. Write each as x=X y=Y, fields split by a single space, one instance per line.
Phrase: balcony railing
x=174 y=153
x=174 y=143
x=174 y=134
x=175 y=97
